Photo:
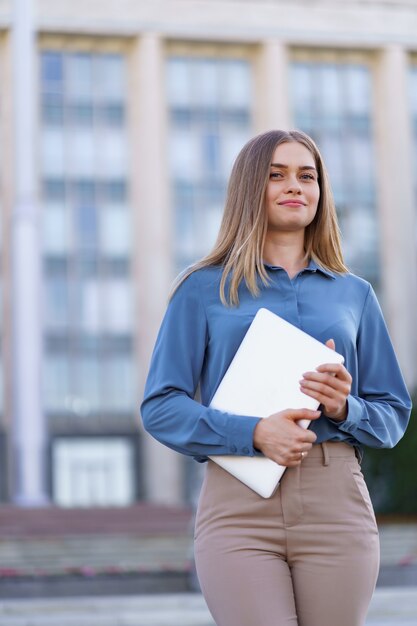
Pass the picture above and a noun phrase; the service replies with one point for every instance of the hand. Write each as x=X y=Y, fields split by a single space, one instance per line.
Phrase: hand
x=281 y=439
x=330 y=384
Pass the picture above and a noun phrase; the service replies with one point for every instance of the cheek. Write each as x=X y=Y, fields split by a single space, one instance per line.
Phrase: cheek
x=315 y=197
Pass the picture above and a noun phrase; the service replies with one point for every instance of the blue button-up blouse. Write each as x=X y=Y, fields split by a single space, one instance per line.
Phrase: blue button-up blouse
x=199 y=337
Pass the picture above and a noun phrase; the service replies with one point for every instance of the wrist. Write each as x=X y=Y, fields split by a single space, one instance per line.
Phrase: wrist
x=341 y=416
x=257 y=435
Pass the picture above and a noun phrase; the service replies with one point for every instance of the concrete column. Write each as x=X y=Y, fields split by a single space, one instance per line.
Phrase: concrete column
x=272 y=107
x=153 y=237
x=28 y=422
x=396 y=204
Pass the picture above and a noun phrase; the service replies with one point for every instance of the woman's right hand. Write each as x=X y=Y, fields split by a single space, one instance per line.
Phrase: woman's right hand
x=281 y=439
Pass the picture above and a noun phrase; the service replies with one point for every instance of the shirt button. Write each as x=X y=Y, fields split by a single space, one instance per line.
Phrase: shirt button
x=245 y=450
x=233 y=449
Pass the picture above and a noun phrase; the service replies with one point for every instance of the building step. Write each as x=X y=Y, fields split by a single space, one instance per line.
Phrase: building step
x=389 y=607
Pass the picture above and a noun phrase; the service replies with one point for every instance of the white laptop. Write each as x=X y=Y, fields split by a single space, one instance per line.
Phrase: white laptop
x=262 y=379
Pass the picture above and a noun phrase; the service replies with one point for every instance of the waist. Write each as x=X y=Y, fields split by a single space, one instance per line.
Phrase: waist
x=323 y=452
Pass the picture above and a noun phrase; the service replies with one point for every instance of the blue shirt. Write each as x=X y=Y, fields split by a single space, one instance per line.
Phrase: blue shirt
x=199 y=337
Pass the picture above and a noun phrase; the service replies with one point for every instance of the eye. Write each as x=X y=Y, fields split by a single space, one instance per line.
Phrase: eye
x=275 y=175
x=308 y=177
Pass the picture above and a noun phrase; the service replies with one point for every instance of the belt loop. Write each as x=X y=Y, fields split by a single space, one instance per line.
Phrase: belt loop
x=325 y=451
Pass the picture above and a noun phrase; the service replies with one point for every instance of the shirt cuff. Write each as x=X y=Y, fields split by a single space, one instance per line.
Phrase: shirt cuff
x=240 y=436
x=355 y=414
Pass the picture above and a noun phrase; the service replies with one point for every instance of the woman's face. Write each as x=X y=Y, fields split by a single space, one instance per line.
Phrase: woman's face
x=293 y=192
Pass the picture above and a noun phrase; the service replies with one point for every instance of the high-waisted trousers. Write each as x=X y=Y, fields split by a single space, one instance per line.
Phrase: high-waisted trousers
x=307 y=556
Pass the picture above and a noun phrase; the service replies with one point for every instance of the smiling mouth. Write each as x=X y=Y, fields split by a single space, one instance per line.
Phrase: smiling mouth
x=292 y=203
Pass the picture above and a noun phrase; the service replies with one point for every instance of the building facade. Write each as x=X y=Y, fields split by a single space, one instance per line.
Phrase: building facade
x=140 y=109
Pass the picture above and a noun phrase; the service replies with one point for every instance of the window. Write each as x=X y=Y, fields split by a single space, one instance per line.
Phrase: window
x=210 y=120
x=94 y=471
x=88 y=301
x=332 y=103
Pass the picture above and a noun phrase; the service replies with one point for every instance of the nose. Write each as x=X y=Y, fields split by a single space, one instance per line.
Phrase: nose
x=293 y=185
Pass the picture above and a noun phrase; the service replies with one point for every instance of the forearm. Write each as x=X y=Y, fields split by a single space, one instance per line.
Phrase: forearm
x=181 y=423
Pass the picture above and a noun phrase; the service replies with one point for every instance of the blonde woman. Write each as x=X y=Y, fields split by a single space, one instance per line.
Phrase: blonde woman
x=309 y=555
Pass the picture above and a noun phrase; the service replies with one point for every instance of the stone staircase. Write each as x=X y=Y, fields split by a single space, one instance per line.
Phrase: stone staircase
x=80 y=552
x=141 y=549
x=398 y=543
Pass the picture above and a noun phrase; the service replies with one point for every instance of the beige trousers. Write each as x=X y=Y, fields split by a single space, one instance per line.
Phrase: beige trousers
x=308 y=556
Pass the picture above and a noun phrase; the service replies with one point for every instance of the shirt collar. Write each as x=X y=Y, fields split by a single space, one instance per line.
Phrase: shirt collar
x=314 y=267
x=311 y=267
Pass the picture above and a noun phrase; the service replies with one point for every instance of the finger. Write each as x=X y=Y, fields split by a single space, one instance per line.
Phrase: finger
x=330 y=377
x=326 y=383
x=330 y=403
x=299 y=414
x=308 y=437
x=336 y=369
x=331 y=344
x=331 y=391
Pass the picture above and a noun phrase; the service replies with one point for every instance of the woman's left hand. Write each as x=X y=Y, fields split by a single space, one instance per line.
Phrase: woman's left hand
x=330 y=384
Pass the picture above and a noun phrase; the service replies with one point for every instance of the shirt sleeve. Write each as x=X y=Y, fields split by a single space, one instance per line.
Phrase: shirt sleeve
x=378 y=415
x=169 y=411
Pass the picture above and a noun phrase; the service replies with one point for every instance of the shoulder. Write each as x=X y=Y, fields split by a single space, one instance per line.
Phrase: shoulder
x=198 y=283
x=353 y=285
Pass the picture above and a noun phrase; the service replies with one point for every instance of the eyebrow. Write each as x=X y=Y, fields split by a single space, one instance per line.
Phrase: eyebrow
x=302 y=167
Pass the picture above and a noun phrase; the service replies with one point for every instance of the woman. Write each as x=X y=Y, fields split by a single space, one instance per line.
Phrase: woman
x=309 y=555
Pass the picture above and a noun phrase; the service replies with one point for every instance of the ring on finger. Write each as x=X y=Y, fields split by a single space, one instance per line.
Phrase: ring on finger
x=302 y=455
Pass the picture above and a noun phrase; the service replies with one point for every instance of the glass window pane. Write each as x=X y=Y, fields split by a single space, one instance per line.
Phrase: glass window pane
x=93 y=471
x=53 y=156
x=206 y=134
x=301 y=84
x=86 y=223
x=184 y=154
x=235 y=84
x=56 y=382
x=81 y=153
x=88 y=383
x=205 y=80
x=117 y=306
x=86 y=226
x=361 y=160
x=331 y=93
x=358 y=90
x=333 y=153
x=178 y=83
x=111 y=155
x=110 y=78
x=88 y=305
x=57 y=313
x=79 y=78
x=52 y=72
x=339 y=99
x=115 y=231
x=119 y=383
x=56 y=229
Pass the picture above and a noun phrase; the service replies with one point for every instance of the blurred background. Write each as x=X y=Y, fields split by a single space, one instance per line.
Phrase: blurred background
x=119 y=123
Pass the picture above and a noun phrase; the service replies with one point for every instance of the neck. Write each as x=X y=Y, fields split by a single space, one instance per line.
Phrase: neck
x=285 y=250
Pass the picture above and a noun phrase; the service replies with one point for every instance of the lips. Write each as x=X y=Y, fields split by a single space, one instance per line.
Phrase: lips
x=292 y=203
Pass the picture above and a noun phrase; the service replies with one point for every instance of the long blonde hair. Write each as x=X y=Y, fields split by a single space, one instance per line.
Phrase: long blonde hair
x=241 y=238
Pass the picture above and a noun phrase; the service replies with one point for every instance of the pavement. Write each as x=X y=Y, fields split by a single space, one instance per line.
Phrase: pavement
x=390 y=607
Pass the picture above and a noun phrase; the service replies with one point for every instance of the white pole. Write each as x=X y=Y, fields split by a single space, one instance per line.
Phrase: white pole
x=28 y=420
